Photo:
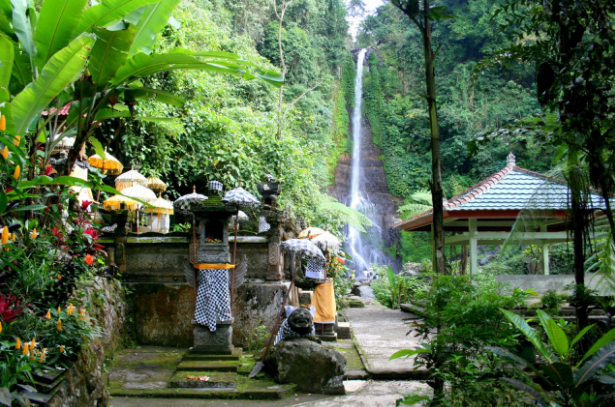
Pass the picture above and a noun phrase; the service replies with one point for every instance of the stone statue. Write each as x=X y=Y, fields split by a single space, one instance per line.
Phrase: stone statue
x=298 y=324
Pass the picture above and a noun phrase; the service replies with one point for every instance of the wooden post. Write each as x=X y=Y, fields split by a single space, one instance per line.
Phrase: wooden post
x=473 y=246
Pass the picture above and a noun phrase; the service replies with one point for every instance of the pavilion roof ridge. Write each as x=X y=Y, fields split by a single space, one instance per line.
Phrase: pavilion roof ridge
x=479 y=188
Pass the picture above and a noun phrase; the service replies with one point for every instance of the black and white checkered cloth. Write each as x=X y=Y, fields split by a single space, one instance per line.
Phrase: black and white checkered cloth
x=303 y=247
x=316 y=268
x=285 y=333
x=213 y=301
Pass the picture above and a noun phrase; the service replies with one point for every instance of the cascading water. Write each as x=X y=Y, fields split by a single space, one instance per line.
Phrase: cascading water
x=363 y=247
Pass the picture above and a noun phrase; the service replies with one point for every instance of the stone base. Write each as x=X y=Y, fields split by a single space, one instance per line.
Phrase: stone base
x=325 y=332
x=219 y=342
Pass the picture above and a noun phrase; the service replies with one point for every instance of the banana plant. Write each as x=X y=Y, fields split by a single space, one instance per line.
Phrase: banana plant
x=589 y=383
x=91 y=59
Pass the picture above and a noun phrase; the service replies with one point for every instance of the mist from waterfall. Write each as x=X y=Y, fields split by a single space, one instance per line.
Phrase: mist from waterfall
x=362 y=247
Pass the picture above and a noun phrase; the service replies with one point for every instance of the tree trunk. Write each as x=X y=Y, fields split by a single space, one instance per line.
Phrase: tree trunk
x=437 y=193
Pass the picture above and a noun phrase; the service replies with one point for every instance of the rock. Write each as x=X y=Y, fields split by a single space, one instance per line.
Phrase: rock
x=410 y=269
x=311 y=366
x=364 y=291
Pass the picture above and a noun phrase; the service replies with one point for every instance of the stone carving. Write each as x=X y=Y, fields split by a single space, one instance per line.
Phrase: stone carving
x=274 y=253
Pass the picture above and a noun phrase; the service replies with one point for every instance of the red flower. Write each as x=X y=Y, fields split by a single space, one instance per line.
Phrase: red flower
x=56 y=231
x=85 y=205
x=48 y=170
x=9 y=307
x=9 y=189
x=91 y=232
x=339 y=259
x=89 y=260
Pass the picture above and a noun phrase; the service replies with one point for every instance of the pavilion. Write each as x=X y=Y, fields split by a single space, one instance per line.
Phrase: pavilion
x=513 y=204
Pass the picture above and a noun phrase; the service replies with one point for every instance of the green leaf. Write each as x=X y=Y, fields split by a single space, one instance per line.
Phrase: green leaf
x=45 y=180
x=143 y=65
x=56 y=23
x=22 y=26
x=524 y=387
x=606 y=338
x=154 y=19
x=156 y=119
x=594 y=365
x=98 y=147
x=61 y=70
x=405 y=353
x=107 y=13
x=581 y=334
x=7 y=56
x=391 y=277
x=162 y=96
x=530 y=334
x=508 y=354
x=556 y=335
x=3 y=202
x=109 y=53
x=28 y=208
x=104 y=114
x=560 y=373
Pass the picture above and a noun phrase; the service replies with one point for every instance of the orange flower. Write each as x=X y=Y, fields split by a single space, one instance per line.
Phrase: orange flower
x=25 y=349
x=5 y=153
x=59 y=310
x=18 y=344
x=33 y=343
x=17 y=140
x=34 y=233
x=17 y=172
x=89 y=260
x=48 y=315
x=70 y=309
x=0 y=326
x=62 y=349
x=2 y=122
x=59 y=325
x=13 y=237
x=5 y=235
x=59 y=277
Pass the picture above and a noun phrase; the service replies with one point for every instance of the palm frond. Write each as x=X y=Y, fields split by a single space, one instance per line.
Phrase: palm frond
x=413 y=209
x=423 y=196
x=348 y=215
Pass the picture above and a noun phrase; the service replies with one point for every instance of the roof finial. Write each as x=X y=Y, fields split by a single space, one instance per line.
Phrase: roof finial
x=511 y=160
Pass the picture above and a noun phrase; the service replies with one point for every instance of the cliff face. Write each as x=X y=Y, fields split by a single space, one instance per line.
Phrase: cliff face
x=373 y=184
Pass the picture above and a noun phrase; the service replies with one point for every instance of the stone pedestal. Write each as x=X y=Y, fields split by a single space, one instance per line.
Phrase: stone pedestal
x=219 y=342
x=275 y=267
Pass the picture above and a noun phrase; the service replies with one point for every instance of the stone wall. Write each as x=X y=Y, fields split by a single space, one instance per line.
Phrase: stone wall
x=542 y=283
x=162 y=303
x=85 y=382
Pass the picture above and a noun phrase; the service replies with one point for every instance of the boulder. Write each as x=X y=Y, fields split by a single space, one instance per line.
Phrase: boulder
x=411 y=269
x=311 y=366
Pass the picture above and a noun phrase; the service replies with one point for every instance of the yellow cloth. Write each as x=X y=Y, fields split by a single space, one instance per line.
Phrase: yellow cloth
x=206 y=266
x=324 y=302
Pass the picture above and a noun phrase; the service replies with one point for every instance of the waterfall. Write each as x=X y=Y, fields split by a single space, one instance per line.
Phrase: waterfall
x=368 y=192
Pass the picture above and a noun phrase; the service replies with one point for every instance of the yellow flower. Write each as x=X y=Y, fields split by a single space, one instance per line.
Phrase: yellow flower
x=18 y=344
x=70 y=309
x=59 y=325
x=17 y=172
x=25 y=348
x=62 y=349
x=5 y=153
x=81 y=312
x=34 y=233
x=33 y=343
x=2 y=122
x=48 y=315
x=42 y=359
x=13 y=237
x=59 y=310
x=5 y=235
x=44 y=351
x=17 y=140
x=0 y=326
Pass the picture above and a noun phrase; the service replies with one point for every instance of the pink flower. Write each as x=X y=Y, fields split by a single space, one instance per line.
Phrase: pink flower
x=48 y=170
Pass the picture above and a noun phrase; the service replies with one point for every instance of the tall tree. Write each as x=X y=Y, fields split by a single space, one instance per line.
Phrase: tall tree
x=420 y=13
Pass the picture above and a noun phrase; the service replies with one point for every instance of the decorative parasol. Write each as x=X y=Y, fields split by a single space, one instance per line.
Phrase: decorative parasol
x=161 y=207
x=241 y=198
x=310 y=233
x=156 y=184
x=182 y=204
x=140 y=192
x=302 y=247
x=114 y=203
x=83 y=194
x=130 y=179
x=110 y=163
x=327 y=242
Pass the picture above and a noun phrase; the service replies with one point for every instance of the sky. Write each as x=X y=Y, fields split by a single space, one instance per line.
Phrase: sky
x=370 y=6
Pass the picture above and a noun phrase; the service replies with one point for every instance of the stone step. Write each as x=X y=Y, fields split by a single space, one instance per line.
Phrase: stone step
x=215 y=380
x=208 y=366
x=252 y=390
x=237 y=352
x=343 y=330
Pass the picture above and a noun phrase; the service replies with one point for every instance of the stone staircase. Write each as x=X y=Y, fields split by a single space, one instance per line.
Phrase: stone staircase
x=162 y=373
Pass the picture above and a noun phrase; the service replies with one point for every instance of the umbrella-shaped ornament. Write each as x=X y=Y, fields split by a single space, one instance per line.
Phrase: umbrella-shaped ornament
x=302 y=247
x=156 y=184
x=327 y=242
x=160 y=207
x=182 y=204
x=310 y=233
x=110 y=164
x=130 y=179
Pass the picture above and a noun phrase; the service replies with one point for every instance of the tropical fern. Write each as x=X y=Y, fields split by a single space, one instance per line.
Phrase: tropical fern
x=350 y=216
x=423 y=197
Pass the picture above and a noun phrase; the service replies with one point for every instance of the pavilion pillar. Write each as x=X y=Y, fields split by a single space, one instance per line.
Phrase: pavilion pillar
x=545 y=252
x=473 y=246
